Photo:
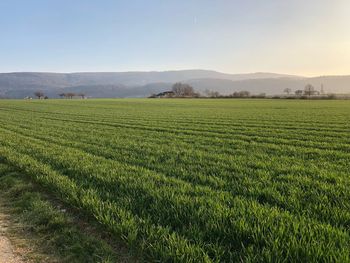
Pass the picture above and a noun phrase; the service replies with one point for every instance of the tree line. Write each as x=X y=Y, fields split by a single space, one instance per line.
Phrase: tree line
x=309 y=91
x=71 y=95
x=68 y=95
x=183 y=90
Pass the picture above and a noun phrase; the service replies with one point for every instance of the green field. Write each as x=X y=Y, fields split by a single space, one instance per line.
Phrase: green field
x=195 y=180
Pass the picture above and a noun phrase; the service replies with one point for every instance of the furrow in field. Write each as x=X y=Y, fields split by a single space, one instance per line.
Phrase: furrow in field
x=193 y=122
x=275 y=194
x=250 y=137
x=195 y=180
x=178 y=209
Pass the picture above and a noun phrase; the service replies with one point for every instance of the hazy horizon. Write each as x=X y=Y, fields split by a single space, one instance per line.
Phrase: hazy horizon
x=236 y=37
x=185 y=69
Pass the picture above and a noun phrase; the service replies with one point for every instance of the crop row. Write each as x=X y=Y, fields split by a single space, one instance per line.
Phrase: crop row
x=195 y=181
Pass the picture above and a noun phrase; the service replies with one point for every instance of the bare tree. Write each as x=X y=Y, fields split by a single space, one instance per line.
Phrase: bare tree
x=212 y=94
x=188 y=90
x=309 y=90
x=244 y=94
x=82 y=95
x=241 y=94
x=183 y=90
x=215 y=94
x=298 y=92
x=70 y=95
x=39 y=94
x=177 y=89
x=287 y=90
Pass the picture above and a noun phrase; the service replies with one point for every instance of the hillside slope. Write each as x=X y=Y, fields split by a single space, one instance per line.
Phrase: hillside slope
x=142 y=84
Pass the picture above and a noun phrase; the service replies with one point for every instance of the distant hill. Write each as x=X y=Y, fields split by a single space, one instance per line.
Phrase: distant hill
x=142 y=84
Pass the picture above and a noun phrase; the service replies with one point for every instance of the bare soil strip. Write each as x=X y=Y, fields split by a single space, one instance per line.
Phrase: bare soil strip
x=7 y=251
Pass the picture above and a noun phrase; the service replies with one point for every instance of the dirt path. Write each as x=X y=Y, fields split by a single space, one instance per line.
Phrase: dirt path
x=7 y=254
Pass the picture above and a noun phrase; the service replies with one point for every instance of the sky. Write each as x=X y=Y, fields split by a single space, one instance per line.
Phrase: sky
x=300 y=37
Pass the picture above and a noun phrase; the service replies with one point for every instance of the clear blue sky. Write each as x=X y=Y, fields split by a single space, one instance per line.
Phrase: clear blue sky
x=288 y=36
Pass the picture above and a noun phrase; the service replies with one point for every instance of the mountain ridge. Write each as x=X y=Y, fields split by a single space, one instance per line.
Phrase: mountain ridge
x=143 y=83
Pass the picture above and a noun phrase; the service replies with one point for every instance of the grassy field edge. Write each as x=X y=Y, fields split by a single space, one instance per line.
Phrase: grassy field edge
x=46 y=229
